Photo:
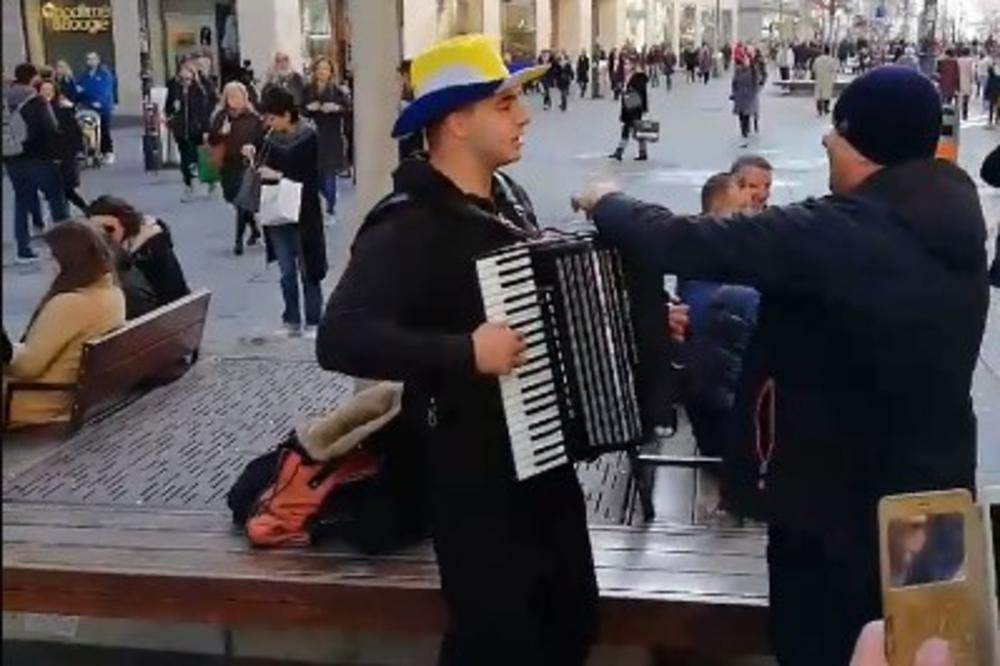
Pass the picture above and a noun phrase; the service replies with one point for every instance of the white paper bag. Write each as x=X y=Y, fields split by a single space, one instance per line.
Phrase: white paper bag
x=279 y=203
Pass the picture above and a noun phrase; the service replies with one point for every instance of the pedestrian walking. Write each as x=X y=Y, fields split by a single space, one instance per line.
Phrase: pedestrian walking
x=328 y=103
x=785 y=60
x=563 y=78
x=188 y=109
x=282 y=75
x=549 y=80
x=669 y=66
x=845 y=351
x=705 y=64
x=290 y=152
x=982 y=72
x=909 y=59
x=583 y=73
x=966 y=79
x=634 y=105
x=235 y=124
x=990 y=173
x=96 y=90
x=691 y=63
x=30 y=133
x=991 y=95
x=620 y=77
x=824 y=78
x=948 y=76
x=745 y=90
x=727 y=56
x=67 y=142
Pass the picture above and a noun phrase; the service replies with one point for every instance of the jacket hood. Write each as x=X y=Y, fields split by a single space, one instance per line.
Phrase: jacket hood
x=416 y=177
x=303 y=129
x=939 y=203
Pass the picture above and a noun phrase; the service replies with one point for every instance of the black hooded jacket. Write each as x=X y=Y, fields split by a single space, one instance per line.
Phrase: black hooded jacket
x=872 y=313
x=407 y=305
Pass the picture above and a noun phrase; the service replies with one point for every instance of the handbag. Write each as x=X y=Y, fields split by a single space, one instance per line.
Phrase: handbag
x=647 y=130
x=247 y=196
x=279 y=202
x=632 y=101
x=208 y=172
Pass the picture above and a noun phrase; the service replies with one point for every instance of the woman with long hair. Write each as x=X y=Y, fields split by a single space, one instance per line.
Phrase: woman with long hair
x=328 y=104
x=634 y=105
x=82 y=303
x=235 y=124
x=67 y=83
x=67 y=144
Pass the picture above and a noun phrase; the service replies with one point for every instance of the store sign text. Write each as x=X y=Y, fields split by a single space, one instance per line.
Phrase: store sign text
x=80 y=18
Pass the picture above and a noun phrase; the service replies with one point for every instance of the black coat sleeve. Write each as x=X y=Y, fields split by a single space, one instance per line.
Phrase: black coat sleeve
x=990 y=172
x=369 y=330
x=793 y=248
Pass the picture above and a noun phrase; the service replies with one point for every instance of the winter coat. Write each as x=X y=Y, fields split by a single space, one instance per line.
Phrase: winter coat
x=246 y=128
x=966 y=75
x=873 y=306
x=67 y=88
x=152 y=252
x=991 y=89
x=745 y=91
x=705 y=60
x=40 y=121
x=405 y=309
x=329 y=126
x=638 y=82
x=292 y=82
x=188 y=109
x=563 y=74
x=68 y=144
x=825 y=74
x=948 y=77
x=583 y=70
x=97 y=90
x=295 y=155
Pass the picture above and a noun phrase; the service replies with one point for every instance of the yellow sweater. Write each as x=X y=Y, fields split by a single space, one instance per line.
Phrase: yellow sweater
x=52 y=349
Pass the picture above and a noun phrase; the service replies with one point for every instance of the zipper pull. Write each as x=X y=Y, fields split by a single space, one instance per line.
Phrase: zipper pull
x=432 y=413
x=762 y=475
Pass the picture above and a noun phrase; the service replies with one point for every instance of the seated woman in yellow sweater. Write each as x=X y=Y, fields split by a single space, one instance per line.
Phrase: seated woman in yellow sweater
x=83 y=303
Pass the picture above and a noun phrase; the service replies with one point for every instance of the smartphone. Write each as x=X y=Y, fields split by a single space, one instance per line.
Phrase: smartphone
x=989 y=502
x=933 y=575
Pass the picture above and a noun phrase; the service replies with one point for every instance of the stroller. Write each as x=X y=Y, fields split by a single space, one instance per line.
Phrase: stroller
x=90 y=126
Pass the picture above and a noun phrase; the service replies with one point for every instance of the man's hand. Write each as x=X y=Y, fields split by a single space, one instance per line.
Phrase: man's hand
x=595 y=190
x=498 y=348
x=679 y=319
x=248 y=151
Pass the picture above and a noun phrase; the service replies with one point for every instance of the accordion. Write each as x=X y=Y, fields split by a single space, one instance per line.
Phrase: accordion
x=578 y=393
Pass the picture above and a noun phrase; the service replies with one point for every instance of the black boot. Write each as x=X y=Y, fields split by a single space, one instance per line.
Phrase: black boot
x=642 y=156
x=617 y=155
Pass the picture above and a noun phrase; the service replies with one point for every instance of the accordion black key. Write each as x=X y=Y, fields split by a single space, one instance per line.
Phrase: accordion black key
x=578 y=393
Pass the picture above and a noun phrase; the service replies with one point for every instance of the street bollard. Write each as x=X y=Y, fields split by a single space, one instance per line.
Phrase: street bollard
x=947 y=148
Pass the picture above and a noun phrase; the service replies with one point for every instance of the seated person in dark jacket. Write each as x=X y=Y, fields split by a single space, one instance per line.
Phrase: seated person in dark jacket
x=722 y=321
x=147 y=244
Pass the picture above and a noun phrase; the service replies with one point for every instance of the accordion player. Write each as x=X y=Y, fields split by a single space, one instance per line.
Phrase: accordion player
x=596 y=376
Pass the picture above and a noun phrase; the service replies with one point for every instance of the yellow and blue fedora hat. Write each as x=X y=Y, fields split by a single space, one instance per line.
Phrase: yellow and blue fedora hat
x=453 y=74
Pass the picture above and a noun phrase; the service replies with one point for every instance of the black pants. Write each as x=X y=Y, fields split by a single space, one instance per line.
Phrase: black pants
x=823 y=106
x=705 y=76
x=563 y=98
x=245 y=220
x=188 y=148
x=546 y=97
x=107 y=145
x=517 y=574
x=965 y=107
x=669 y=78
x=824 y=588
x=784 y=73
x=745 y=125
x=692 y=76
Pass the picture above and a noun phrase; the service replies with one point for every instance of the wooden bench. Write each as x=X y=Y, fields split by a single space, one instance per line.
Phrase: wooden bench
x=682 y=588
x=149 y=349
x=127 y=520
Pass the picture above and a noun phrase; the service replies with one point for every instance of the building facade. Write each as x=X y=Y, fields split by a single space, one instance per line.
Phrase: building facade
x=225 y=33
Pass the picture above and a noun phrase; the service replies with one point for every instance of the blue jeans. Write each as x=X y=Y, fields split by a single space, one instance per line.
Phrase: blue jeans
x=28 y=175
x=287 y=244
x=328 y=187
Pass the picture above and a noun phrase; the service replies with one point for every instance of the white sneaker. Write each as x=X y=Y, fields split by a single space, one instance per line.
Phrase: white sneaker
x=188 y=195
x=211 y=190
x=109 y=158
x=289 y=331
x=330 y=220
x=309 y=332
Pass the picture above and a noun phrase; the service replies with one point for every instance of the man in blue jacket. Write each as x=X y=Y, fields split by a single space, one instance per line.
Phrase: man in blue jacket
x=856 y=383
x=96 y=89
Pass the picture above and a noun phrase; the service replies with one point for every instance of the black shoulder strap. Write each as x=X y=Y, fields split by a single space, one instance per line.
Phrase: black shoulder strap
x=386 y=204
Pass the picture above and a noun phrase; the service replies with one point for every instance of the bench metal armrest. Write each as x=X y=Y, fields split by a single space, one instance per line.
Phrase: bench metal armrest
x=12 y=387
